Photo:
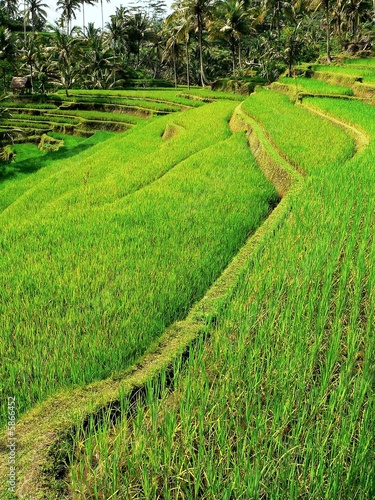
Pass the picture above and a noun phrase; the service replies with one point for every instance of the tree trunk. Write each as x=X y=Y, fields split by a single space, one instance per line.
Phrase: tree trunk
x=239 y=55
x=188 y=64
x=114 y=62
x=326 y=5
x=31 y=76
x=200 y=45
x=24 y=20
x=83 y=16
x=175 y=71
x=233 y=58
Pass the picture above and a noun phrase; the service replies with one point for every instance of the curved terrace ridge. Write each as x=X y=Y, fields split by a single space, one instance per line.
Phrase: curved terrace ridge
x=44 y=431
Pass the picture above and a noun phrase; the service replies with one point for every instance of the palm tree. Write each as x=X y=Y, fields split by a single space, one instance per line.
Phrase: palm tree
x=66 y=54
x=201 y=12
x=68 y=8
x=172 y=52
x=7 y=52
x=182 y=23
x=88 y=2
x=96 y=60
x=10 y=7
x=115 y=35
x=232 y=24
x=138 y=30
x=28 y=51
x=36 y=13
x=101 y=8
x=326 y=6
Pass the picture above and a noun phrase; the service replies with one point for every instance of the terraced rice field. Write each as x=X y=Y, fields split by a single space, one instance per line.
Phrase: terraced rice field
x=265 y=389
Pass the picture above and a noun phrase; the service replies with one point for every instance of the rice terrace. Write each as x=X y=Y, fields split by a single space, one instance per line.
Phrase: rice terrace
x=187 y=277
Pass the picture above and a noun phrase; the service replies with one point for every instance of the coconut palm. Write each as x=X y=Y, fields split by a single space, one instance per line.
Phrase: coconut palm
x=232 y=24
x=182 y=23
x=172 y=52
x=10 y=8
x=7 y=52
x=102 y=11
x=138 y=30
x=201 y=12
x=68 y=8
x=66 y=53
x=36 y=14
x=326 y=6
x=88 y=2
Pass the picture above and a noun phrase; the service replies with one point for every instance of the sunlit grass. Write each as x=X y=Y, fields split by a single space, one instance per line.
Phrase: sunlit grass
x=280 y=402
x=309 y=85
x=103 y=250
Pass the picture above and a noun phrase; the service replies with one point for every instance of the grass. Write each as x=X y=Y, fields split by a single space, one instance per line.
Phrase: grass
x=368 y=75
x=118 y=242
x=181 y=95
x=309 y=85
x=359 y=62
x=280 y=402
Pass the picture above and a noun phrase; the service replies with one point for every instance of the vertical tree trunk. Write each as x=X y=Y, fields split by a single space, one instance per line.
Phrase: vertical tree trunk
x=239 y=55
x=24 y=20
x=83 y=16
x=188 y=64
x=326 y=5
x=31 y=75
x=114 y=62
x=200 y=44
x=175 y=71
x=233 y=58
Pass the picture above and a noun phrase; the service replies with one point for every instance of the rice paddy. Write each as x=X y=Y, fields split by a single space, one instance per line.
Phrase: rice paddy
x=103 y=250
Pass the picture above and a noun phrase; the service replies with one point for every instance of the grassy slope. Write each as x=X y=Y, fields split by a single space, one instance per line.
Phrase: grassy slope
x=309 y=85
x=280 y=404
x=105 y=249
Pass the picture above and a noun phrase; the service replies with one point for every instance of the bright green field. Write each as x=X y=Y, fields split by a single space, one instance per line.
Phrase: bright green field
x=309 y=85
x=279 y=403
x=103 y=249
x=113 y=238
x=367 y=73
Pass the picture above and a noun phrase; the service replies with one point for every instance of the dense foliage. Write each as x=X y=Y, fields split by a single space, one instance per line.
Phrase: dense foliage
x=199 y=42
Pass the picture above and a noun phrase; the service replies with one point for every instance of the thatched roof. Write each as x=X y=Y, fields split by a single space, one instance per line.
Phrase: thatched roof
x=20 y=83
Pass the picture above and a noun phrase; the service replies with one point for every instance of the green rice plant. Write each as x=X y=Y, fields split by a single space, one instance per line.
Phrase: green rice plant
x=28 y=167
x=96 y=115
x=19 y=117
x=277 y=114
x=367 y=75
x=280 y=402
x=312 y=86
x=151 y=105
x=361 y=63
x=117 y=244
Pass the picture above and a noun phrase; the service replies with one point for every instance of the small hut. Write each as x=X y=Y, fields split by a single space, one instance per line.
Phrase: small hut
x=21 y=84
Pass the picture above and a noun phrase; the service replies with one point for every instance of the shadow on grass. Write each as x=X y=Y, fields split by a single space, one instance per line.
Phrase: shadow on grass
x=31 y=165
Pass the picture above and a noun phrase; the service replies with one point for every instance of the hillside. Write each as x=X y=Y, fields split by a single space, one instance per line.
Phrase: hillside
x=189 y=306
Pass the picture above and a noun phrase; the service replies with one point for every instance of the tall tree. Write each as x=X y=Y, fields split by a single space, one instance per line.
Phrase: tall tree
x=232 y=23
x=36 y=14
x=88 y=2
x=182 y=21
x=66 y=52
x=201 y=11
x=68 y=8
x=10 y=7
x=102 y=11
x=325 y=5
